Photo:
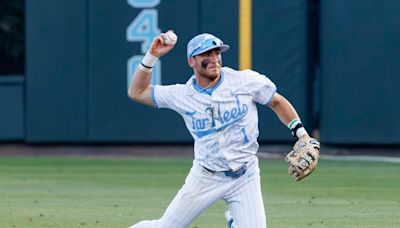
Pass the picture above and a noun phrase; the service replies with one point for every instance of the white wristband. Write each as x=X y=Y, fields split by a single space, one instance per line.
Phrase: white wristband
x=301 y=132
x=296 y=127
x=149 y=60
x=145 y=69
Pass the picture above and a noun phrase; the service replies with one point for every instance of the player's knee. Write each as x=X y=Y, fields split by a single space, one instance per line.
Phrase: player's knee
x=145 y=224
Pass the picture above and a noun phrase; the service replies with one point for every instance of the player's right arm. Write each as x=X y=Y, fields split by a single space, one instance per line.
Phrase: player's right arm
x=140 y=87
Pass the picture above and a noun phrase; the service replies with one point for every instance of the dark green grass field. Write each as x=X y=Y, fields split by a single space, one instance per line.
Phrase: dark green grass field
x=117 y=192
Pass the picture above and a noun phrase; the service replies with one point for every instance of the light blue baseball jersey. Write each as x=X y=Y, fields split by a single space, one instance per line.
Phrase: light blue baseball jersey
x=223 y=120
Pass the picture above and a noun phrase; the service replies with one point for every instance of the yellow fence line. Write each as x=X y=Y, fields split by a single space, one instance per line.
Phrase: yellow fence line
x=245 y=34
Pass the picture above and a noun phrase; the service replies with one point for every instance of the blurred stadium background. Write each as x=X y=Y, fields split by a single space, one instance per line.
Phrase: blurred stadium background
x=65 y=66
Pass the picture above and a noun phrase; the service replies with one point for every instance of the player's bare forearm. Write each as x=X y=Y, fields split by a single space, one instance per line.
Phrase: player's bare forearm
x=283 y=108
x=140 y=88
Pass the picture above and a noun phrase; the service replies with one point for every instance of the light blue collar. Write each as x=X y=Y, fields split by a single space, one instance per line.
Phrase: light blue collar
x=210 y=90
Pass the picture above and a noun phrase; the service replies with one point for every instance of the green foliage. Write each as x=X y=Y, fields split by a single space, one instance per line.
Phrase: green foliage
x=12 y=37
x=101 y=192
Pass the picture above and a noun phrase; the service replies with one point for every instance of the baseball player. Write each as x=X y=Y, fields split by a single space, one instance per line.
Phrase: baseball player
x=218 y=106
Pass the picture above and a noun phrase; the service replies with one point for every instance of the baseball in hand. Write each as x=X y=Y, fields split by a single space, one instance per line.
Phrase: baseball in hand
x=170 y=38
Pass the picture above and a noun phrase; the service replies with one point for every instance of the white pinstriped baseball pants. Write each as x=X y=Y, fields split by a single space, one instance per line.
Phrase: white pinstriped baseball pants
x=202 y=189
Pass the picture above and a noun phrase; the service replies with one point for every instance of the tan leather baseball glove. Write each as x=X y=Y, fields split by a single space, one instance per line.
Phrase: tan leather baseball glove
x=303 y=159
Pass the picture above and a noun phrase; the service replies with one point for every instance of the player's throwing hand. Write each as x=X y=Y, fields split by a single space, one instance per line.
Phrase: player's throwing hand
x=163 y=43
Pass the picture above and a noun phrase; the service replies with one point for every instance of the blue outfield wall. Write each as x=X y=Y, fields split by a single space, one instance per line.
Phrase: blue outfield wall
x=79 y=54
x=281 y=51
x=56 y=71
x=12 y=108
x=360 y=56
x=112 y=116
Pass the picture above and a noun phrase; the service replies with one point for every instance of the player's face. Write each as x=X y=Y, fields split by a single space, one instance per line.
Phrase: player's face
x=208 y=64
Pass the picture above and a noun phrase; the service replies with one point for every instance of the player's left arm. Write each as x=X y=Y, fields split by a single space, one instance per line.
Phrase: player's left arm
x=285 y=111
x=303 y=159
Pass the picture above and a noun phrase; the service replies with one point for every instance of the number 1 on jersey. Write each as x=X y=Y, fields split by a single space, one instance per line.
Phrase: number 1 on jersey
x=245 y=138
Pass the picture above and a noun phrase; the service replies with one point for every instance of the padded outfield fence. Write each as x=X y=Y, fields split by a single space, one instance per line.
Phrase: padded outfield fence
x=337 y=61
